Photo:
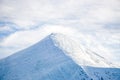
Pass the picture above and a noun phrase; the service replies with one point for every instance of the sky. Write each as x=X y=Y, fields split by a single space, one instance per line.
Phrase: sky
x=96 y=23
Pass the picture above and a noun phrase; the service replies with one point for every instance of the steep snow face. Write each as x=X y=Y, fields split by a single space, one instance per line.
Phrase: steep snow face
x=79 y=53
x=42 y=61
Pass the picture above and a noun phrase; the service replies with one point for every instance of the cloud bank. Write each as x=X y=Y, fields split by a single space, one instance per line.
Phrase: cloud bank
x=95 y=23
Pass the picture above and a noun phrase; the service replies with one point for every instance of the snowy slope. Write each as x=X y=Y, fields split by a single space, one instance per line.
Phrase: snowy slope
x=42 y=61
x=81 y=54
x=55 y=58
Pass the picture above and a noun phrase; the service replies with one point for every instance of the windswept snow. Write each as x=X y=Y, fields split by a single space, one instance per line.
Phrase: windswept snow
x=79 y=53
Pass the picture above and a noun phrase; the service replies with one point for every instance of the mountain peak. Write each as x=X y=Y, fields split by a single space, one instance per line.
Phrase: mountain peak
x=42 y=61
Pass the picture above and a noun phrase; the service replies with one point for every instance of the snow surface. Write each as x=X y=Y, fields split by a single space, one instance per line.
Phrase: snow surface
x=54 y=58
x=81 y=54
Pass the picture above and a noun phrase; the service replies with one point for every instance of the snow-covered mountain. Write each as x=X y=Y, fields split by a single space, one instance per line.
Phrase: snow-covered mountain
x=57 y=57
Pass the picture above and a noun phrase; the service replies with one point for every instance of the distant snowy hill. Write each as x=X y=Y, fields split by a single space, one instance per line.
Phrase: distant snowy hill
x=54 y=58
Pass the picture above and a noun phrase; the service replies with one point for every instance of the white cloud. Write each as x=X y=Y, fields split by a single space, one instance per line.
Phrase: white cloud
x=30 y=12
x=5 y=28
